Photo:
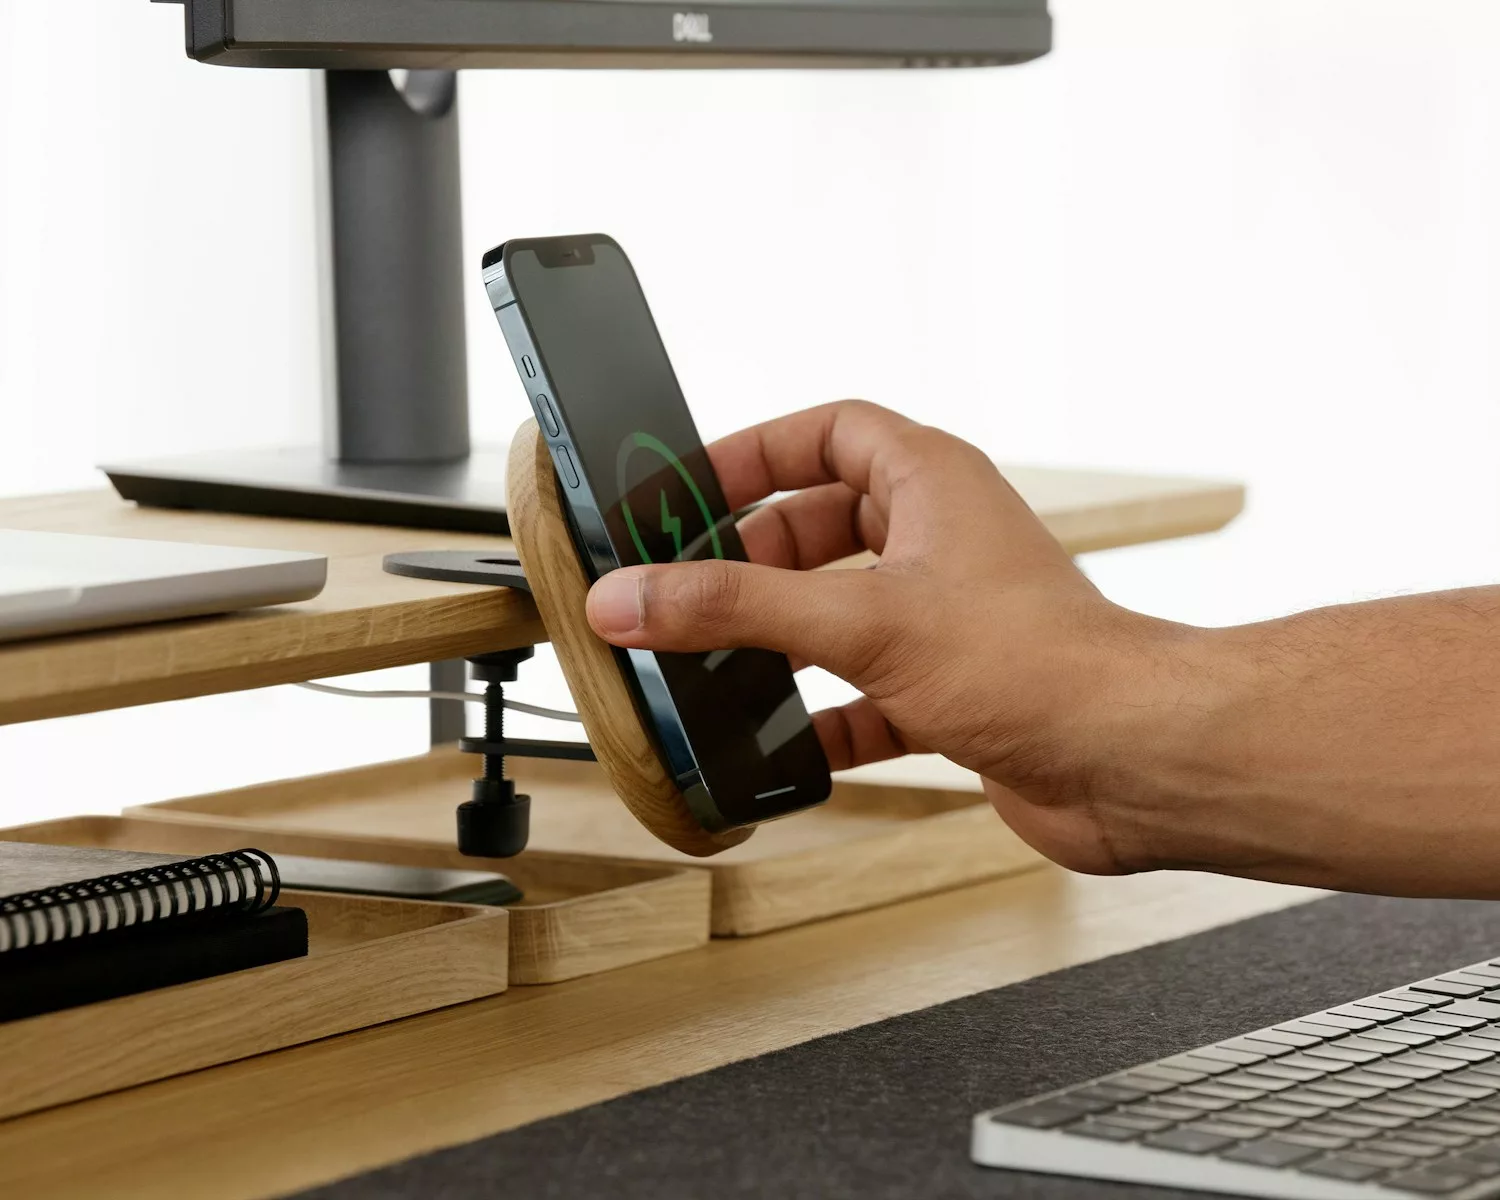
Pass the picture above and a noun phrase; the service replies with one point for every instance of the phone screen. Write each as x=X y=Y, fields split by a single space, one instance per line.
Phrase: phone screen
x=659 y=502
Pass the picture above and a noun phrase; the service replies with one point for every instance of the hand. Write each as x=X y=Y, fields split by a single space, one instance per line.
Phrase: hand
x=974 y=635
x=1350 y=747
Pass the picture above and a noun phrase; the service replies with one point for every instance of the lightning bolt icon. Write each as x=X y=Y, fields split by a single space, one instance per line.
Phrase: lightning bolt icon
x=671 y=525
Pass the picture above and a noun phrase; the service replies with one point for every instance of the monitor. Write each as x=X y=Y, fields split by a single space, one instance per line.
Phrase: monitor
x=397 y=448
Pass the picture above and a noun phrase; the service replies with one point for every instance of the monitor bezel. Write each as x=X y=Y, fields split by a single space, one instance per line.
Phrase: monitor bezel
x=454 y=34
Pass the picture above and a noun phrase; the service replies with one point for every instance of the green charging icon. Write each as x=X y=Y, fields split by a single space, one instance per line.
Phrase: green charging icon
x=670 y=521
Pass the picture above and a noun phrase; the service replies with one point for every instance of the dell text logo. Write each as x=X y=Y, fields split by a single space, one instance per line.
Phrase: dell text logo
x=691 y=27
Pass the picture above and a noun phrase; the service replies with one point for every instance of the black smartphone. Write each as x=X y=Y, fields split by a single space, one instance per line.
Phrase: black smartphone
x=391 y=879
x=638 y=487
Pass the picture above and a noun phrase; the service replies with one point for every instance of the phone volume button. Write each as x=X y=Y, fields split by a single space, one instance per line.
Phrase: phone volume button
x=565 y=466
x=548 y=417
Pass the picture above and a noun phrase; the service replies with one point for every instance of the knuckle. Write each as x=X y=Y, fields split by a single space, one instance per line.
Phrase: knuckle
x=784 y=535
x=870 y=414
x=715 y=593
x=933 y=444
x=935 y=456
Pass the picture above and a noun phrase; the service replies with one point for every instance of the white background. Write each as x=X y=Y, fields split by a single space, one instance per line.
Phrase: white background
x=1251 y=239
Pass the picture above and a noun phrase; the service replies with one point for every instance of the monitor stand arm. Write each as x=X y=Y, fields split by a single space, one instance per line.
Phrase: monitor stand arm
x=391 y=274
x=396 y=382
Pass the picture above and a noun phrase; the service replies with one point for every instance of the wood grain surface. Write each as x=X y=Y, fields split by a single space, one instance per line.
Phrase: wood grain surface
x=369 y=961
x=280 y=1122
x=873 y=843
x=366 y=619
x=600 y=693
x=579 y=915
x=363 y=620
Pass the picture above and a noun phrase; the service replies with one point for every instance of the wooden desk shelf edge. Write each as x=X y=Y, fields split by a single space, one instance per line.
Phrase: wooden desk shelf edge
x=366 y=620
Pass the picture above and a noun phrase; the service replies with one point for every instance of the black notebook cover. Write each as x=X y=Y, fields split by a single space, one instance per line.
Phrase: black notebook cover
x=52 y=894
x=121 y=962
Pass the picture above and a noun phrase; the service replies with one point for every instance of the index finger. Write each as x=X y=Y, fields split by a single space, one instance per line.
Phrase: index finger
x=833 y=443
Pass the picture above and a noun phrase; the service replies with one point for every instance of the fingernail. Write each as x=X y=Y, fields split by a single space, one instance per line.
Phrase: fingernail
x=616 y=603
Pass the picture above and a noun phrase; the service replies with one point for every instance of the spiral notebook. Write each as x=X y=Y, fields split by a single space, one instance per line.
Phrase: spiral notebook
x=81 y=925
x=52 y=894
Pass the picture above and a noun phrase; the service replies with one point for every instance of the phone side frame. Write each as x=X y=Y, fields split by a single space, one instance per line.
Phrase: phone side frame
x=648 y=687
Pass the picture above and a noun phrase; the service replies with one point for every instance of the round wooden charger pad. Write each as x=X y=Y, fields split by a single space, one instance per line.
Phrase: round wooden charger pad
x=603 y=698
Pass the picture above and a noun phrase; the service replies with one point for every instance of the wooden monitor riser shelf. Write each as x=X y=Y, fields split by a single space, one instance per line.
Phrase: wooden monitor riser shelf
x=366 y=619
x=873 y=843
x=369 y=961
x=577 y=916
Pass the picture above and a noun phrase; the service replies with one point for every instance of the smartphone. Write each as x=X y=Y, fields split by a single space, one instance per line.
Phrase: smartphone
x=638 y=488
x=390 y=879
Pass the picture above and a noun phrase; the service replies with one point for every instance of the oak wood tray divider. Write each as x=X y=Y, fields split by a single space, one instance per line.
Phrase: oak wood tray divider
x=871 y=844
x=578 y=916
x=369 y=961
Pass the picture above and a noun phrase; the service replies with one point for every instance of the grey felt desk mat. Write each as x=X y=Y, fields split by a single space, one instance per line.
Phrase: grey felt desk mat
x=883 y=1111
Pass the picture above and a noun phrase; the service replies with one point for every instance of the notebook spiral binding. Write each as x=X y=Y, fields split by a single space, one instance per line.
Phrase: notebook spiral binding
x=244 y=881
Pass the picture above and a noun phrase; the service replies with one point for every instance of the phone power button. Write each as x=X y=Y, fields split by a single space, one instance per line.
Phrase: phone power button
x=565 y=466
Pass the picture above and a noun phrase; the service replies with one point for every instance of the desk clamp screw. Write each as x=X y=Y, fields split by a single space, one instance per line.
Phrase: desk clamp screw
x=496 y=820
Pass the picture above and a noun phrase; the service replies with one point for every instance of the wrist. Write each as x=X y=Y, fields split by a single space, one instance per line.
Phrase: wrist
x=1088 y=772
x=1158 y=773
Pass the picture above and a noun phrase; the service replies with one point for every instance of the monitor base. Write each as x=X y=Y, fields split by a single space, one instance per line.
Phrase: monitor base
x=466 y=496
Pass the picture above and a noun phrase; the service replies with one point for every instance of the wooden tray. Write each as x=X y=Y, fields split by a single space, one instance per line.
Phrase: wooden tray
x=368 y=961
x=579 y=915
x=873 y=843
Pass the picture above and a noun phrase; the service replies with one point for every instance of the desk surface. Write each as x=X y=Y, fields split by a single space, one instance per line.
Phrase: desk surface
x=366 y=619
x=284 y=1121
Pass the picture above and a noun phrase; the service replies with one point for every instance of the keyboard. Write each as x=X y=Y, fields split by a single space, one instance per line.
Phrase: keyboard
x=1393 y=1095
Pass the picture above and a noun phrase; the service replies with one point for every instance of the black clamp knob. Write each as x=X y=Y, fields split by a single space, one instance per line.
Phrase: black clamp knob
x=495 y=822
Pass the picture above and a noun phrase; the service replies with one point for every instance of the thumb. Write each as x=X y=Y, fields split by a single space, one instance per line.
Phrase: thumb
x=833 y=619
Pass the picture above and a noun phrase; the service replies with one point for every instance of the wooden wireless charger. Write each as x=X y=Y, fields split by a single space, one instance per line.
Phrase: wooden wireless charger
x=550 y=570
x=560 y=588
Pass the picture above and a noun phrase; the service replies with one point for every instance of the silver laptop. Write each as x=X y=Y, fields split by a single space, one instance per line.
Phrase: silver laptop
x=63 y=582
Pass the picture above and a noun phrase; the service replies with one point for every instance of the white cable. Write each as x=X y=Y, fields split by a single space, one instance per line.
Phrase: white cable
x=520 y=706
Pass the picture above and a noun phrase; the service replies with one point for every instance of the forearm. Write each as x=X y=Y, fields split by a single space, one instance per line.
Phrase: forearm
x=1355 y=747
